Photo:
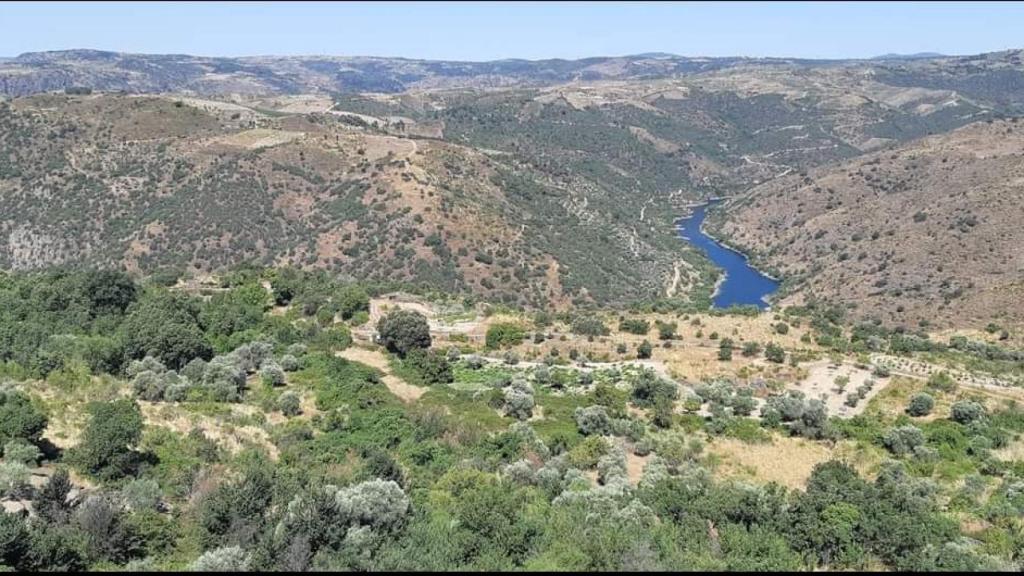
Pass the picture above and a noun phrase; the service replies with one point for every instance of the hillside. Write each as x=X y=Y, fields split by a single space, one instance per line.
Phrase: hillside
x=257 y=424
x=503 y=193
x=147 y=182
x=928 y=232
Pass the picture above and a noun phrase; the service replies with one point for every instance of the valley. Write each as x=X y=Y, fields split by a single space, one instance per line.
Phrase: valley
x=635 y=313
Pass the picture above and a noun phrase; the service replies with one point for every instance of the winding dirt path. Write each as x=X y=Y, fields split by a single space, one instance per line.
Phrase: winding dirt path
x=376 y=359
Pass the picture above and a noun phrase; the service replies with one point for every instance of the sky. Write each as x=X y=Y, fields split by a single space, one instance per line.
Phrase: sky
x=530 y=30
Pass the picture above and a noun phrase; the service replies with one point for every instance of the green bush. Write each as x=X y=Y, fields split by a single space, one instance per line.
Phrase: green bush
x=921 y=404
x=636 y=326
x=504 y=334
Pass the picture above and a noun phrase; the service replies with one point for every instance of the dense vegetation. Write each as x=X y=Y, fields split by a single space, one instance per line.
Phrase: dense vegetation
x=351 y=478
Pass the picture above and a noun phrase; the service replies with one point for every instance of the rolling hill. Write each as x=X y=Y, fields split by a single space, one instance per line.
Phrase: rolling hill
x=531 y=183
x=926 y=233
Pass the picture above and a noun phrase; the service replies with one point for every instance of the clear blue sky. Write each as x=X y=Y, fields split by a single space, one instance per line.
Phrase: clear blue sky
x=494 y=30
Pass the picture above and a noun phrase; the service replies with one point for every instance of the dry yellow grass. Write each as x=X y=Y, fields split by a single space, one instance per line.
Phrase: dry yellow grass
x=231 y=437
x=788 y=461
x=258 y=138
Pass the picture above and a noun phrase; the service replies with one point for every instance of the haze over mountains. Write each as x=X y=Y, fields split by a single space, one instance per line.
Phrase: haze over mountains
x=505 y=179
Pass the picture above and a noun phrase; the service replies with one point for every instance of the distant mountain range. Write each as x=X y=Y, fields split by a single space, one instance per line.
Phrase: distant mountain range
x=914 y=56
x=35 y=72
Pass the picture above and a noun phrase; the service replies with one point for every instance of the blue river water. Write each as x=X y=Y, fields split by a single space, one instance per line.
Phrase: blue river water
x=744 y=284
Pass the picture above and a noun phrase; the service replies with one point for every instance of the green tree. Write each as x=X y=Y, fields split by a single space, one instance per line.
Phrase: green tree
x=19 y=418
x=402 y=331
x=351 y=299
x=111 y=434
x=165 y=326
x=430 y=367
x=286 y=285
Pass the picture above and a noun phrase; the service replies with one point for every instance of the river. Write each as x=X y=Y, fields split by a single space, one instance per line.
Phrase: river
x=743 y=284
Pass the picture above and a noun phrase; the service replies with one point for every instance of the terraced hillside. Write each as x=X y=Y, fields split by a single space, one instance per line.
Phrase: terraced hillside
x=928 y=232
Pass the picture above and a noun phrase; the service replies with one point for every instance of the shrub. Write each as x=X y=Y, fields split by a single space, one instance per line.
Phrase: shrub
x=504 y=334
x=402 y=331
x=903 y=440
x=636 y=326
x=589 y=326
x=593 y=420
x=966 y=411
x=725 y=349
x=666 y=330
x=774 y=353
x=921 y=404
x=14 y=477
x=271 y=374
x=942 y=381
x=289 y=404
x=141 y=494
x=430 y=367
x=644 y=350
x=19 y=450
x=782 y=328
x=751 y=349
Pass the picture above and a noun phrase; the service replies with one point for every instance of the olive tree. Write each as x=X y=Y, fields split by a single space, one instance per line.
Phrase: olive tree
x=921 y=404
x=593 y=420
x=271 y=374
x=519 y=400
x=966 y=411
x=290 y=404
x=378 y=504
x=903 y=440
x=226 y=559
